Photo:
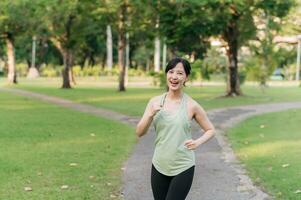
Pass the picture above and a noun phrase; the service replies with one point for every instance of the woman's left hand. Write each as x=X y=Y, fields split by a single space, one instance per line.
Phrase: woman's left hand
x=191 y=144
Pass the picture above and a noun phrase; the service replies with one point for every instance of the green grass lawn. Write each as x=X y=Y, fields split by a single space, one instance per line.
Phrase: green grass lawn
x=264 y=150
x=270 y=147
x=134 y=100
x=39 y=142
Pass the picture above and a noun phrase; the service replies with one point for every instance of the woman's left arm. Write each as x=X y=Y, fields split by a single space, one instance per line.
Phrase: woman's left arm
x=201 y=118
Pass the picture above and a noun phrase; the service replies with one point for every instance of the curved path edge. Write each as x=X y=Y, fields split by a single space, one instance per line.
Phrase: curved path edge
x=225 y=177
x=245 y=112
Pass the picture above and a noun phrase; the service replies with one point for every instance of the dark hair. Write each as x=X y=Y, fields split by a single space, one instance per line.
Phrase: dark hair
x=172 y=63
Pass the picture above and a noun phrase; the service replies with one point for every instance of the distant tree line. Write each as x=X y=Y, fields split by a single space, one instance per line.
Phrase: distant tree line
x=133 y=32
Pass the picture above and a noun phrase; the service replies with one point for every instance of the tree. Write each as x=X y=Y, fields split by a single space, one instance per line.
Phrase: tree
x=240 y=28
x=14 y=18
x=116 y=12
x=271 y=14
x=125 y=17
x=68 y=24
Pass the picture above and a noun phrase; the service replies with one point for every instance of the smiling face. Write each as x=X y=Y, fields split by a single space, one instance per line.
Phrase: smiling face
x=176 y=77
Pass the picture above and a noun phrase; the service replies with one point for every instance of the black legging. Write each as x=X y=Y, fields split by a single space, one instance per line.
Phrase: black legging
x=171 y=187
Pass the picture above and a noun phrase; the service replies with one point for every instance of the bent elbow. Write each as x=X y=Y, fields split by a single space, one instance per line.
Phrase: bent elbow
x=138 y=132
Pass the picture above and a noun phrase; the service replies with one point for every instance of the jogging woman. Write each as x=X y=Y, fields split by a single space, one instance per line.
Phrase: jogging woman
x=172 y=113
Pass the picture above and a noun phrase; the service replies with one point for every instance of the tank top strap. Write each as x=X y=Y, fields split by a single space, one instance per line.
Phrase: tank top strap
x=163 y=99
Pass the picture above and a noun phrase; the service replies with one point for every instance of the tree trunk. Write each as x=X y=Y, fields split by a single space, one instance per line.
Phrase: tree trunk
x=83 y=61
x=127 y=58
x=68 y=62
x=121 y=63
x=43 y=49
x=157 y=55
x=12 y=75
x=157 y=42
x=121 y=46
x=67 y=68
x=109 y=48
x=267 y=53
x=233 y=85
x=231 y=37
x=33 y=72
x=164 y=56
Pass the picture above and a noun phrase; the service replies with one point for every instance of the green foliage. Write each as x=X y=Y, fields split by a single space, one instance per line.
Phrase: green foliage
x=189 y=33
x=93 y=71
x=80 y=27
x=143 y=53
x=199 y=71
x=242 y=75
x=291 y=24
x=22 y=69
x=265 y=56
x=96 y=71
x=278 y=58
x=2 y=71
x=51 y=71
x=213 y=63
x=77 y=71
x=159 y=78
x=194 y=73
x=14 y=16
x=136 y=72
x=276 y=8
x=255 y=71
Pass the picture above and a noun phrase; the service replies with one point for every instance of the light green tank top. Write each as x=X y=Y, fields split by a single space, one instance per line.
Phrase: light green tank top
x=172 y=129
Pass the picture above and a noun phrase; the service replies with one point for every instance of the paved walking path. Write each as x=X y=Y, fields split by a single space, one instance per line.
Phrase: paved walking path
x=218 y=175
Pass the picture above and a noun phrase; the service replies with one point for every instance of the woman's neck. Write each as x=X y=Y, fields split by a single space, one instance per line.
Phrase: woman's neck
x=174 y=95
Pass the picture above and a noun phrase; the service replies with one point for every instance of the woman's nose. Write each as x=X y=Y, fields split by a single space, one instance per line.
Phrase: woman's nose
x=174 y=76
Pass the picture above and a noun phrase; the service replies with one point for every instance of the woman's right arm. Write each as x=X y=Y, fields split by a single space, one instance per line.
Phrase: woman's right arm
x=147 y=118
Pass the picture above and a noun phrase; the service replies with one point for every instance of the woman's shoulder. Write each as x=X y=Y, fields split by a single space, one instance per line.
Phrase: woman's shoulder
x=190 y=100
x=192 y=103
x=156 y=98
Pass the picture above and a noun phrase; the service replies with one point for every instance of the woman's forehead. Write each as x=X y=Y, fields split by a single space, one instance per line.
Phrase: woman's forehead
x=178 y=67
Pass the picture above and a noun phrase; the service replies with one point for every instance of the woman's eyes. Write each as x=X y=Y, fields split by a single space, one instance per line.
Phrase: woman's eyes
x=179 y=73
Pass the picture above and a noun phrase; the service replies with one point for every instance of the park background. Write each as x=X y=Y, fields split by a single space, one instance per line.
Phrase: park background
x=112 y=54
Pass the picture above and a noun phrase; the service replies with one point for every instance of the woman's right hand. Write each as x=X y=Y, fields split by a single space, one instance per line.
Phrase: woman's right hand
x=151 y=109
x=155 y=107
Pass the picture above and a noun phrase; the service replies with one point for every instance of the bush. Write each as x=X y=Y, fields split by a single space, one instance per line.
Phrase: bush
x=136 y=72
x=77 y=71
x=195 y=70
x=159 y=78
x=242 y=77
x=51 y=71
x=22 y=69
x=200 y=70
